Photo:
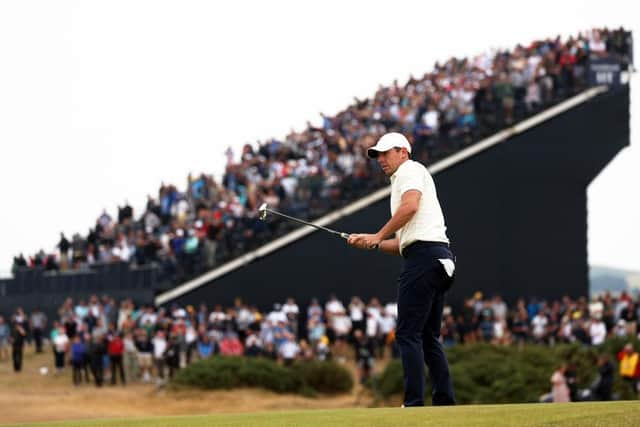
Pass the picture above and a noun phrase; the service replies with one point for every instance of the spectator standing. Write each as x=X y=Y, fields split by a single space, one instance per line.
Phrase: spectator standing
x=253 y=345
x=603 y=385
x=205 y=347
x=144 y=348
x=364 y=352
x=499 y=308
x=86 y=364
x=341 y=324
x=333 y=306
x=64 y=246
x=520 y=325
x=289 y=350
x=315 y=330
x=292 y=311
x=159 y=349
x=244 y=320
x=373 y=331
x=5 y=334
x=487 y=326
x=630 y=367
x=116 y=354
x=38 y=327
x=97 y=352
x=172 y=354
x=190 y=340
x=356 y=312
x=18 y=337
x=620 y=329
x=231 y=345
x=269 y=351
x=539 y=327
x=130 y=357
x=78 y=356
x=571 y=375
x=323 y=351
x=60 y=348
x=387 y=326
x=449 y=331
x=630 y=316
x=314 y=309
x=597 y=331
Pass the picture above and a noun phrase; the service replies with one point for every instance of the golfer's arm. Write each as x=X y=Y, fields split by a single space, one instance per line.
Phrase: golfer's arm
x=407 y=209
x=390 y=246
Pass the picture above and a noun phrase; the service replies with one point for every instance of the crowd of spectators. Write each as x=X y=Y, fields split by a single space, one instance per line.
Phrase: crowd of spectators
x=144 y=343
x=135 y=341
x=311 y=172
x=543 y=322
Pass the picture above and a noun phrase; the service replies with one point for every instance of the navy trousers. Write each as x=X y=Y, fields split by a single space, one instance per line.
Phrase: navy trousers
x=421 y=289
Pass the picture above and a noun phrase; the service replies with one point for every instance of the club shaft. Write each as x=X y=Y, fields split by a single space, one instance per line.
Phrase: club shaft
x=319 y=227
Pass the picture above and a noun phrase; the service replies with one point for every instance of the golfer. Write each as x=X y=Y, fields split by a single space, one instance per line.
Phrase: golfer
x=418 y=225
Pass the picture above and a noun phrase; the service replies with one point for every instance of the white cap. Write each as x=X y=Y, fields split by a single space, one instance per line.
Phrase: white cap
x=387 y=142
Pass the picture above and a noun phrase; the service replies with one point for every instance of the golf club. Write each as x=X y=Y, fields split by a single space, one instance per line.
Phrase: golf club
x=263 y=214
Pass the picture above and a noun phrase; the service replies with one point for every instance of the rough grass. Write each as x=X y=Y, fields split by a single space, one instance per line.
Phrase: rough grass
x=624 y=413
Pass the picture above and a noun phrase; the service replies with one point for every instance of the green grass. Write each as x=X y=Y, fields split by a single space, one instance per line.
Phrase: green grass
x=625 y=413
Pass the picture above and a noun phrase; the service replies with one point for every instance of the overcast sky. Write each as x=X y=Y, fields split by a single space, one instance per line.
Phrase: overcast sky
x=102 y=101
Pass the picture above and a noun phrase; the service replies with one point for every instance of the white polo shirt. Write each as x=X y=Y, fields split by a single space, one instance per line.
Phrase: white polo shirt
x=428 y=222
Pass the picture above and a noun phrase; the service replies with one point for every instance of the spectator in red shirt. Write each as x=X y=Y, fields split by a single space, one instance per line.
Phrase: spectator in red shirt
x=231 y=345
x=116 y=350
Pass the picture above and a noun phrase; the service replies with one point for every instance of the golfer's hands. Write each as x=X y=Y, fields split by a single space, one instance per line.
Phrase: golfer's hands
x=364 y=241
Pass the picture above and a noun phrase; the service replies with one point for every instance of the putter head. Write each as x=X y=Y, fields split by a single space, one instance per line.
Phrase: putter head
x=262 y=211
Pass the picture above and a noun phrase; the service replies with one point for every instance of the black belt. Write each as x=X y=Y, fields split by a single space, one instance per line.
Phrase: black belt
x=422 y=244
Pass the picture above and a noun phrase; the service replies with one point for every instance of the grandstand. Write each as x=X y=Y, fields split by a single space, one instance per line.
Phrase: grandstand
x=513 y=141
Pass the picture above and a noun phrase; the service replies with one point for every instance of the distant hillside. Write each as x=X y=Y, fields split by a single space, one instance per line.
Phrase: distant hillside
x=613 y=279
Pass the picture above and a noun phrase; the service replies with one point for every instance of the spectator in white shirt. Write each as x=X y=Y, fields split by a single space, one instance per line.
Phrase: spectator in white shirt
x=95 y=308
x=372 y=326
x=539 y=327
x=431 y=118
x=386 y=325
x=356 y=312
x=334 y=306
x=374 y=308
x=217 y=317
x=159 y=347
x=60 y=347
x=149 y=317
x=597 y=331
x=499 y=308
x=392 y=309
x=244 y=319
x=341 y=324
x=277 y=315
x=289 y=350
x=290 y=307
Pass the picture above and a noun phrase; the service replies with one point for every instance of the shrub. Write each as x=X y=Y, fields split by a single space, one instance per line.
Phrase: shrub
x=484 y=373
x=305 y=378
x=389 y=381
x=324 y=377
